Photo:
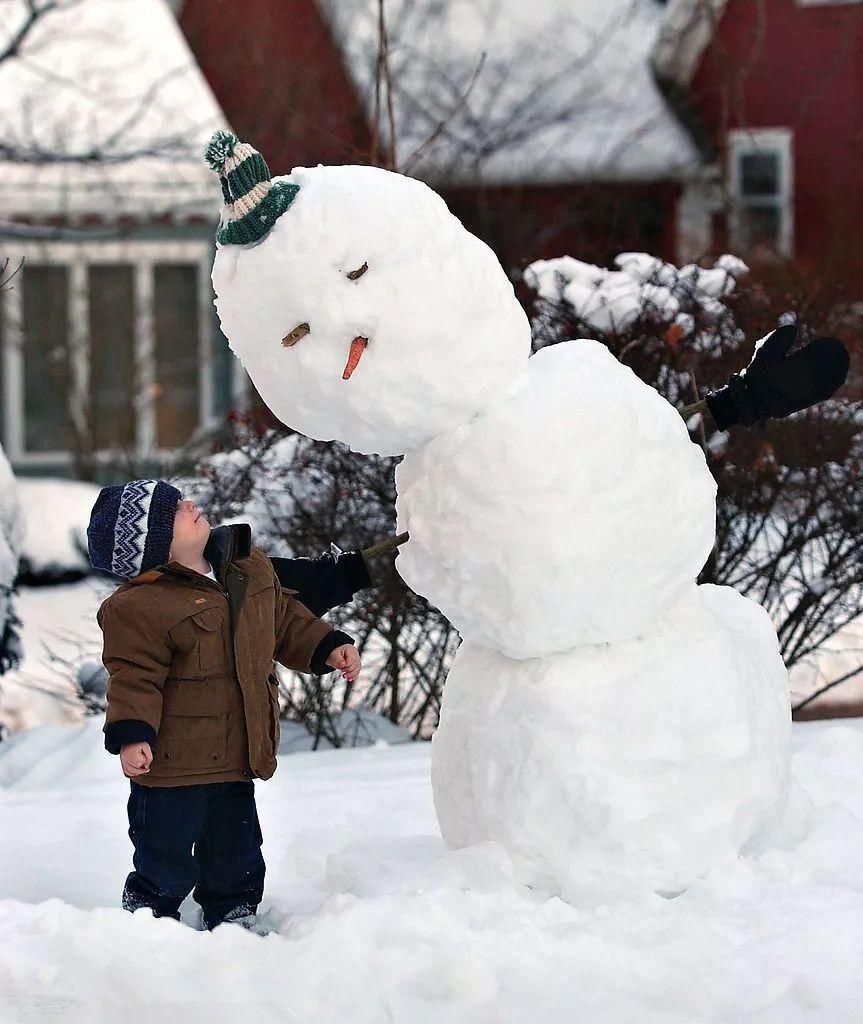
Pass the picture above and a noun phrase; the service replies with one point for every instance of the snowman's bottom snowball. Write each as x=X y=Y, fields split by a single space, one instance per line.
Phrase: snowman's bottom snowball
x=640 y=764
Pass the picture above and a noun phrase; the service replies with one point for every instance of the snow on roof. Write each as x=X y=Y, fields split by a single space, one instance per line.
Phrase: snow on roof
x=686 y=31
x=113 y=77
x=564 y=92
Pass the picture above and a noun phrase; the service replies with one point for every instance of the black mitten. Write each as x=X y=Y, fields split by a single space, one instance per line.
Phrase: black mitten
x=776 y=384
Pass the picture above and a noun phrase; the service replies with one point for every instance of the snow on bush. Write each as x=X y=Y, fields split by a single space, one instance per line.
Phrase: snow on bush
x=11 y=540
x=642 y=286
x=55 y=540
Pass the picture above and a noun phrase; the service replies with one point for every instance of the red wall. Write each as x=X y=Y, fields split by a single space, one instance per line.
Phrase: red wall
x=275 y=71
x=774 y=64
x=592 y=222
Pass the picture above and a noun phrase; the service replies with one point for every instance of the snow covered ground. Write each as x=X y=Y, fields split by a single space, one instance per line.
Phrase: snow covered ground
x=376 y=922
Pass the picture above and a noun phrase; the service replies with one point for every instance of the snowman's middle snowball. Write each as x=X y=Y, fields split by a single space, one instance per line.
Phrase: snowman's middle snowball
x=574 y=512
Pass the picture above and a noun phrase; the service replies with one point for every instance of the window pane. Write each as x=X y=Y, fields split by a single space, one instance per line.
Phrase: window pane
x=112 y=341
x=176 y=325
x=759 y=174
x=761 y=224
x=46 y=350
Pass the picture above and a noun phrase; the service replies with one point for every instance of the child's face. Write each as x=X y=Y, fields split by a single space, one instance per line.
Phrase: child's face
x=191 y=531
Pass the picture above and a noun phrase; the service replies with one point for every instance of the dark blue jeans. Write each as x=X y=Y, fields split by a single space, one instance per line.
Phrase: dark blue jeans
x=201 y=838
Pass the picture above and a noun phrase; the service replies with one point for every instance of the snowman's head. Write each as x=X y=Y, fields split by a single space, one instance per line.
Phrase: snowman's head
x=360 y=307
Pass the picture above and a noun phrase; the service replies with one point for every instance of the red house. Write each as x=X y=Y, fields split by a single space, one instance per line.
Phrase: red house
x=683 y=127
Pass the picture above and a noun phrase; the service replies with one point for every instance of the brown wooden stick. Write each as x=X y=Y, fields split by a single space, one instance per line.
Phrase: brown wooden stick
x=355 y=274
x=300 y=331
x=690 y=410
x=385 y=546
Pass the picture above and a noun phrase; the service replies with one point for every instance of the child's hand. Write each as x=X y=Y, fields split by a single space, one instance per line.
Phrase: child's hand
x=136 y=759
x=346 y=659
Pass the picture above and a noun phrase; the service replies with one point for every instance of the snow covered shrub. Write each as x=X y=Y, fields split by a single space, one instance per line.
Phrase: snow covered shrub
x=91 y=686
x=54 y=545
x=790 y=505
x=11 y=542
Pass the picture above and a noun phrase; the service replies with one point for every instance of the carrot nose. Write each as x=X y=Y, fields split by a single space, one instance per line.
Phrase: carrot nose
x=358 y=346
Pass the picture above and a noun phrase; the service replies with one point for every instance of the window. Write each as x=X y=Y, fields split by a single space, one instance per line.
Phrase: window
x=45 y=316
x=111 y=333
x=111 y=348
x=176 y=319
x=760 y=183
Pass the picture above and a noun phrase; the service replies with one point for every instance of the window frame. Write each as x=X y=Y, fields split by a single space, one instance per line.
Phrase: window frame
x=142 y=256
x=743 y=142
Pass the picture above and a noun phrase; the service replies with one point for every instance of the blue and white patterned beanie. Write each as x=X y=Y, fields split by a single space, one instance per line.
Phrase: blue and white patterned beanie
x=132 y=526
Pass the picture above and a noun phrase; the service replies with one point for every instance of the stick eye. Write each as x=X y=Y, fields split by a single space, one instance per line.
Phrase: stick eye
x=292 y=337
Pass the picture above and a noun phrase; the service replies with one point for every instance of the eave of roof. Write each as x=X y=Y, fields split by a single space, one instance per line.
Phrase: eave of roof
x=115 y=78
x=687 y=29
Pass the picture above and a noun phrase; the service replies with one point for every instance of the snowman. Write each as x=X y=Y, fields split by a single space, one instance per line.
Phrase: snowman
x=606 y=721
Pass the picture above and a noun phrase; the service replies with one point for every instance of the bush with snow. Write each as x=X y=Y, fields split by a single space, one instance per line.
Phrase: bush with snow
x=12 y=526
x=54 y=546
x=643 y=287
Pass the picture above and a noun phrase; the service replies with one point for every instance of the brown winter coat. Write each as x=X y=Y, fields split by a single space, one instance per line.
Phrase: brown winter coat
x=190 y=663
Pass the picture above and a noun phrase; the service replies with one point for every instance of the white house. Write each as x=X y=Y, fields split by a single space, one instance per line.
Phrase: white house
x=111 y=360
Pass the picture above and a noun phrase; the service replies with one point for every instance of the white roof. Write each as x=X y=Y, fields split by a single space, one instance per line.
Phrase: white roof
x=115 y=77
x=688 y=28
x=565 y=91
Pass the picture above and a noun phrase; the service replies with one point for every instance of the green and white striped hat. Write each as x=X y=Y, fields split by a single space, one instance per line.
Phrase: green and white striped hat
x=253 y=203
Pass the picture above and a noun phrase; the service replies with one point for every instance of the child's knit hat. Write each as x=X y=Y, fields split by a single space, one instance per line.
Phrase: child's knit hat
x=132 y=526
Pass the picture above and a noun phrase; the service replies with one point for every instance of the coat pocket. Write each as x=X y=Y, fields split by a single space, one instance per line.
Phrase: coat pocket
x=191 y=743
x=207 y=624
x=199 y=645
x=193 y=698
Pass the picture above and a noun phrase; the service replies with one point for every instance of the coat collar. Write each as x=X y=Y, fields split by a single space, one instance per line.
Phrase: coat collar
x=226 y=544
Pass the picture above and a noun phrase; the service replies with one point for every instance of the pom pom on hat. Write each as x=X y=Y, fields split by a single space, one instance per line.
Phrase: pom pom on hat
x=219 y=148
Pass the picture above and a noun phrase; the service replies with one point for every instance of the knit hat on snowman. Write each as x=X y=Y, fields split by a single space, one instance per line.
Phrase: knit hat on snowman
x=252 y=201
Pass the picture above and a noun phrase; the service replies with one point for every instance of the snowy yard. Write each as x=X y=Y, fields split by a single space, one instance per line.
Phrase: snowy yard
x=375 y=922
x=616 y=728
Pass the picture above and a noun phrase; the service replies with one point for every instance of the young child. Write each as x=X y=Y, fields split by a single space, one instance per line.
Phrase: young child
x=189 y=641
